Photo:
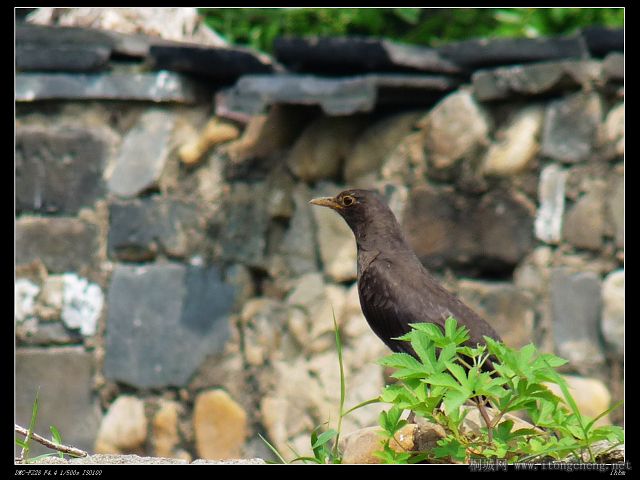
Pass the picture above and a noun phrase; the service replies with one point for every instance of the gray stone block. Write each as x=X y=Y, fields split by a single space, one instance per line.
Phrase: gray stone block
x=536 y=79
x=240 y=230
x=139 y=229
x=61 y=58
x=220 y=63
x=576 y=307
x=159 y=86
x=62 y=244
x=344 y=55
x=571 y=126
x=551 y=193
x=613 y=66
x=508 y=309
x=505 y=51
x=584 y=223
x=143 y=154
x=163 y=320
x=336 y=96
x=615 y=207
x=613 y=311
x=491 y=233
x=64 y=378
x=58 y=169
x=602 y=40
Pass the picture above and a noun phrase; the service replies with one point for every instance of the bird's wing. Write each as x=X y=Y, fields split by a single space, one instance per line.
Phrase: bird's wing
x=390 y=304
x=393 y=295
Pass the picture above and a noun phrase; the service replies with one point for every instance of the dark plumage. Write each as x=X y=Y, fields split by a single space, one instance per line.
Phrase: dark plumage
x=395 y=289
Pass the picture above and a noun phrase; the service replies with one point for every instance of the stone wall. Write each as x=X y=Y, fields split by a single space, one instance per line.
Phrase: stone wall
x=175 y=292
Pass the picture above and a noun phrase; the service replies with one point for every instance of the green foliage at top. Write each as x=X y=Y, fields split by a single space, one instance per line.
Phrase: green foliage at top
x=449 y=375
x=258 y=27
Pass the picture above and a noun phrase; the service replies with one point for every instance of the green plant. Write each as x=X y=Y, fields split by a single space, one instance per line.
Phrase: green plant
x=449 y=374
x=25 y=444
x=258 y=27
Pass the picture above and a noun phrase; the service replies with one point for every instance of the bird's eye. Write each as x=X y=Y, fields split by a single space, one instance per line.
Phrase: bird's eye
x=348 y=200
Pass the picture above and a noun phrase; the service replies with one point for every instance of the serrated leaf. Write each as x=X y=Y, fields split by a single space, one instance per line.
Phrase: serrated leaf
x=390 y=393
x=504 y=429
x=394 y=414
x=407 y=337
x=454 y=399
x=442 y=379
x=472 y=376
x=450 y=326
x=432 y=330
x=425 y=348
x=450 y=447
x=459 y=373
x=447 y=353
x=400 y=360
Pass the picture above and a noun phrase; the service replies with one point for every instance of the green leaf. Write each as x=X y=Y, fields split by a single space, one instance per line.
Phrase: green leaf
x=450 y=447
x=400 y=360
x=447 y=353
x=442 y=379
x=551 y=360
x=425 y=348
x=324 y=437
x=56 y=438
x=55 y=435
x=503 y=430
x=432 y=330
x=450 y=326
x=406 y=367
x=21 y=443
x=393 y=415
x=454 y=399
x=457 y=335
x=409 y=15
x=459 y=373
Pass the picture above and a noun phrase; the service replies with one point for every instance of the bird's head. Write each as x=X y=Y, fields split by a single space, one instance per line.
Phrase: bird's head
x=365 y=211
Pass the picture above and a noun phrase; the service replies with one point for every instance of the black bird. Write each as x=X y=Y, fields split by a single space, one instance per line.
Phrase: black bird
x=394 y=287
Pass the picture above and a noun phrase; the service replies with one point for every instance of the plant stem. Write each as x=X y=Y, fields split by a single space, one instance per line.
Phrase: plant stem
x=487 y=420
x=76 y=452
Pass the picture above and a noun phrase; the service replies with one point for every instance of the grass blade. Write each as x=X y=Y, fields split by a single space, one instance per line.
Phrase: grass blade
x=273 y=449
x=606 y=412
x=363 y=404
x=342 y=384
x=32 y=425
x=56 y=438
x=574 y=407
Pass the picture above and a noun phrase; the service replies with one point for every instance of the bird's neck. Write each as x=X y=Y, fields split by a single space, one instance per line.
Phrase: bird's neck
x=377 y=236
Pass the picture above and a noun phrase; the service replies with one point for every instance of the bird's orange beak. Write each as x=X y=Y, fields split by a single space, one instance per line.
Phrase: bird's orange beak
x=326 y=202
